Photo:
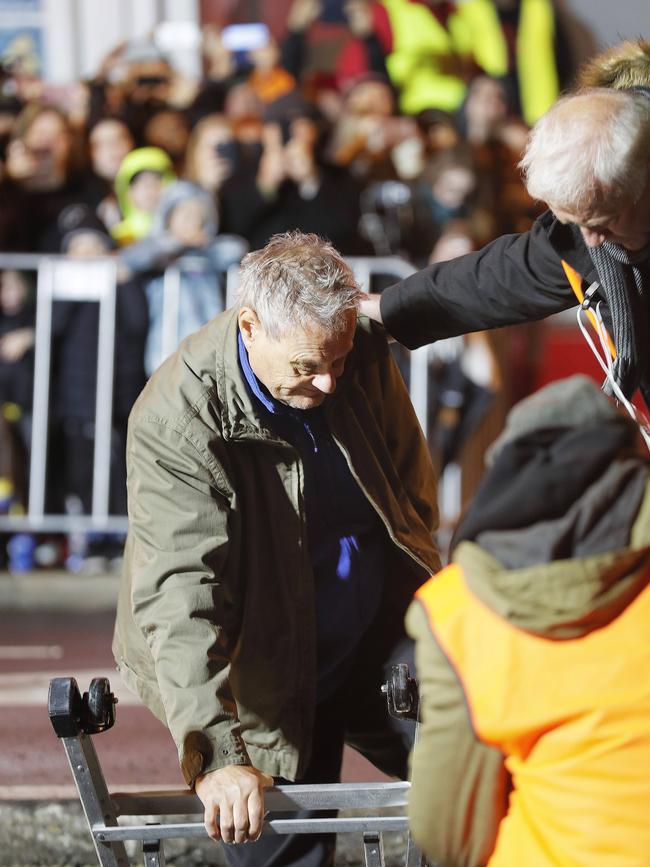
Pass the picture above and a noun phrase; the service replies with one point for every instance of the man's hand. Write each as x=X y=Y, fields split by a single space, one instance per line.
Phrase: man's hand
x=233 y=798
x=369 y=306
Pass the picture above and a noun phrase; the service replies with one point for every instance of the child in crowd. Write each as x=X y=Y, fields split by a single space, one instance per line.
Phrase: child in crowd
x=183 y=235
x=139 y=184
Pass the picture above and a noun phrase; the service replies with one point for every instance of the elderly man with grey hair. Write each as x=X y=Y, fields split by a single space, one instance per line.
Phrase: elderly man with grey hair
x=282 y=510
x=588 y=158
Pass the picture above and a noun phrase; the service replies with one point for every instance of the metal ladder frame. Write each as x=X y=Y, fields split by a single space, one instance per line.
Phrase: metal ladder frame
x=75 y=721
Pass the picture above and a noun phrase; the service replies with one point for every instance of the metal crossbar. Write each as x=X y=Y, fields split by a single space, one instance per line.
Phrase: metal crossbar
x=103 y=810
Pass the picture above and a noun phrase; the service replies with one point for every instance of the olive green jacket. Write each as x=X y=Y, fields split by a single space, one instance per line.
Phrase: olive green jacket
x=215 y=625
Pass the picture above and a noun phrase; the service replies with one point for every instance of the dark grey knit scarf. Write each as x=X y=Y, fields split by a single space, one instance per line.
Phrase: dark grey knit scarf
x=625 y=278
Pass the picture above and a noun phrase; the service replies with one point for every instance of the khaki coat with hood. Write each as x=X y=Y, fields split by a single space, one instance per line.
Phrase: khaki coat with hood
x=556 y=544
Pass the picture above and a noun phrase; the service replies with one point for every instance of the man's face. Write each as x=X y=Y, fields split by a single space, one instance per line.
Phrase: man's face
x=629 y=227
x=301 y=368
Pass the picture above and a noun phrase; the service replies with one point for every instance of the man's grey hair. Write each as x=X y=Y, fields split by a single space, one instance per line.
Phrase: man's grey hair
x=590 y=153
x=298 y=280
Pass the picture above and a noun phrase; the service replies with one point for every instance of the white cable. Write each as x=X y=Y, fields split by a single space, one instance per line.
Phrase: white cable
x=607 y=367
x=604 y=344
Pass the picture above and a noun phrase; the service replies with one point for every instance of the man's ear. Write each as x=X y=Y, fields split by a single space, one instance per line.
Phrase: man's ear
x=249 y=325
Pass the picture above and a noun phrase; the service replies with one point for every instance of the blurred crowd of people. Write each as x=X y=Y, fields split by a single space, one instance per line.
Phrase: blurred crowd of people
x=407 y=144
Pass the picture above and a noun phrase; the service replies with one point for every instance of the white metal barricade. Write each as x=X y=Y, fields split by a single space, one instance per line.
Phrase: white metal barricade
x=62 y=279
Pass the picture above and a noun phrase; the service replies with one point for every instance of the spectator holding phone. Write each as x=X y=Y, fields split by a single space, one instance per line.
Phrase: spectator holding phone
x=43 y=175
x=218 y=163
x=293 y=188
x=244 y=62
x=211 y=156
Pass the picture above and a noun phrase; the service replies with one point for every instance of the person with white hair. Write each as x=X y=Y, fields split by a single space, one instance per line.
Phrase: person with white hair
x=282 y=506
x=588 y=158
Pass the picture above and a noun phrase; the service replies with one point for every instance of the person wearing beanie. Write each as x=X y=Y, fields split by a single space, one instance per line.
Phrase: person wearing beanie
x=587 y=158
x=183 y=235
x=532 y=650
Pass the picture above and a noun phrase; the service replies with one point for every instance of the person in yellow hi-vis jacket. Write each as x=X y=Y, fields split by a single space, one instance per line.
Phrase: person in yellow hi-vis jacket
x=436 y=46
x=533 y=650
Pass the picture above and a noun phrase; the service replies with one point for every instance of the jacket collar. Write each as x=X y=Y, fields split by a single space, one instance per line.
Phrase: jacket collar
x=568 y=243
x=241 y=414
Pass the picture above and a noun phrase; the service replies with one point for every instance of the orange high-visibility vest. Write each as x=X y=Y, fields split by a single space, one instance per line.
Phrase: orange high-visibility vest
x=572 y=718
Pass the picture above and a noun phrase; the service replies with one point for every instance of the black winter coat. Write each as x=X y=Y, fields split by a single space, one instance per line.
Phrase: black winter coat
x=516 y=278
x=75 y=328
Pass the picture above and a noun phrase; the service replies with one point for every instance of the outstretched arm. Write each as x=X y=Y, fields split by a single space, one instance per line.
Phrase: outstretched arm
x=515 y=279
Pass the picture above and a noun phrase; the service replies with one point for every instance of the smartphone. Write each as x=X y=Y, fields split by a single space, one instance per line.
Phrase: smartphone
x=177 y=36
x=332 y=12
x=227 y=150
x=240 y=38
x=151 y=80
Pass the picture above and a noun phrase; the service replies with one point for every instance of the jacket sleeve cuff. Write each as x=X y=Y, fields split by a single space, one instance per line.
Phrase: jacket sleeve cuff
x=405 y=312
x=201 y=754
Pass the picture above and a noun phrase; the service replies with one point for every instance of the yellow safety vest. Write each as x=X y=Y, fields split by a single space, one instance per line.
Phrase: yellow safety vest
x=535 y=50
x=572 y=718
x=422 y=49
x=474 y=31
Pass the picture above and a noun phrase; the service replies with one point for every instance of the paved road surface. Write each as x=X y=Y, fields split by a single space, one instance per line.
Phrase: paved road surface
x=38 y=645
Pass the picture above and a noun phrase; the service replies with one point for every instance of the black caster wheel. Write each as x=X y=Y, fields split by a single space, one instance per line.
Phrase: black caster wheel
x=99 y=706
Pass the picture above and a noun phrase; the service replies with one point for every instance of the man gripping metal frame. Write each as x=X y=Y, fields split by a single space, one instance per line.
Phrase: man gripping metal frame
x=281 y=505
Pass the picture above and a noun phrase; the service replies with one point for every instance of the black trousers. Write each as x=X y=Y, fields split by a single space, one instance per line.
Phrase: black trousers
x=355 y=715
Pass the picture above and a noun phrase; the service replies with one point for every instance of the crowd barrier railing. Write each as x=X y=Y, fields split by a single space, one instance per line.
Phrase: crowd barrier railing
x=59 y=278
